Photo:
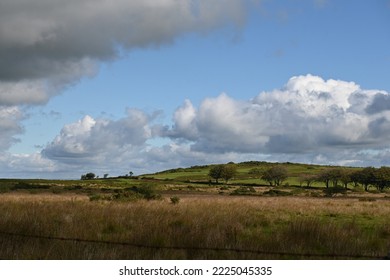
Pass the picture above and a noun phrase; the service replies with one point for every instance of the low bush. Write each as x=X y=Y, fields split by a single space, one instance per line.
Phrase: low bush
x=244 y=191
x=125 y=195
x=175 y=199
x=315 y=194
x=128 y=194
x=95 y=197
x=330 y=192
x=274 y=192
x=148 y=191
x=57 y=189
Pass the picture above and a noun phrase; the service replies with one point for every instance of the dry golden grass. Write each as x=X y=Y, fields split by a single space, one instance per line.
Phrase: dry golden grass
x=274 y=224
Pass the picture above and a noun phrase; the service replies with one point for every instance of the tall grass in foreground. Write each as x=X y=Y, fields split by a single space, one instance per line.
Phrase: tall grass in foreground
x=284 y=224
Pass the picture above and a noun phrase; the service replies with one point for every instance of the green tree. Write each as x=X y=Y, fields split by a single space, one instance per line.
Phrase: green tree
x=216 y=172
x=345 y=177
x=365 y=177
x=275 y=175
x=382 y=178
x=335 y=176
x=355 y=178
x=88 y=176
x=330 y=175
x=309 y=179
x=229 y=171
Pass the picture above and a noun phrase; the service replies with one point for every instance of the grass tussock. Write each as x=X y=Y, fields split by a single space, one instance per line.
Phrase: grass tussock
x=267 y=224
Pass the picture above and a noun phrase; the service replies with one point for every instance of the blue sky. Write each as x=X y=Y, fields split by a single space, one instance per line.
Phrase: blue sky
x=153 y=84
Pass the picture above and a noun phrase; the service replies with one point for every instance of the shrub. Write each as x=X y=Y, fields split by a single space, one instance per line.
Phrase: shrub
x=314 y=194
x=175 y=199
x=125 y=195
x=95 y=197
x=275 y=192
x=56 y=189
x=148 y=191
x=243 y=191
x=334 y=191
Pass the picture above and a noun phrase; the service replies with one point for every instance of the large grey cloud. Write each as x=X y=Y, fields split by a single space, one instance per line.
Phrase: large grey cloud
x=45 y=45
x=10 y=118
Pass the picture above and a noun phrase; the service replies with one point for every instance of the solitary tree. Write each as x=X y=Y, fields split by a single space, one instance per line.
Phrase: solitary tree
x=88 y=176
x=216 y=172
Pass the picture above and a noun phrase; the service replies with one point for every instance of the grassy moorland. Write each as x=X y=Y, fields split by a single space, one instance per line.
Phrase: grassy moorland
x=178 y=214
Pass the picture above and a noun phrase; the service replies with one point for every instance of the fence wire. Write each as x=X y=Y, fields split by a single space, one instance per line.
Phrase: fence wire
x=257 y=252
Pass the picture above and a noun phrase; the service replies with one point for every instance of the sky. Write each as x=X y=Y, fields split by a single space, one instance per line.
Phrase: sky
x=143 y=86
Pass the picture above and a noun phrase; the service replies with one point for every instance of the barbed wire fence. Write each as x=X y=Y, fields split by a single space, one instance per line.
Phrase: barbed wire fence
x=256 y=252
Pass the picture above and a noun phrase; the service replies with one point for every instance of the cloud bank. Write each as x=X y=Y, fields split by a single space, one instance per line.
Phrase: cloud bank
x=309 y=119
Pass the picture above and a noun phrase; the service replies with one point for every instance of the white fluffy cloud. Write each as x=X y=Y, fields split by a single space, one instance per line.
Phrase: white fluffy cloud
x=24 y=164
x=184 y=126
x=308 y=115
x=100 y=140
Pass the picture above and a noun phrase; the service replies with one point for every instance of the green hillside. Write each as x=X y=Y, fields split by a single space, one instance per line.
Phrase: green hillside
x=248 y=178
x=243 y=176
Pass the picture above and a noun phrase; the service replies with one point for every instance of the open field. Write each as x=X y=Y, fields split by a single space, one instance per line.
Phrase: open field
x=180 y=214
x=237 y=227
